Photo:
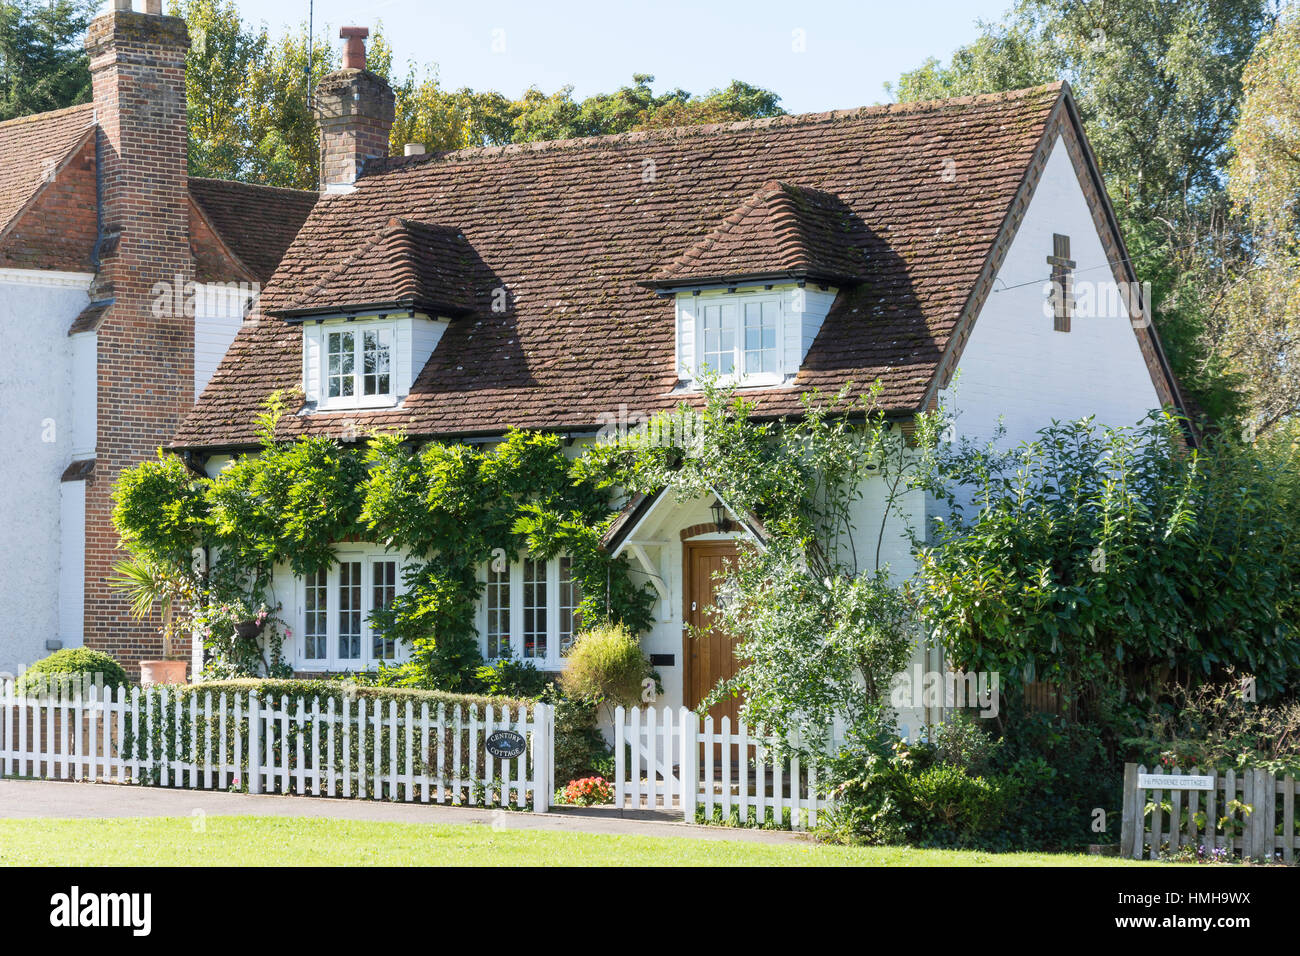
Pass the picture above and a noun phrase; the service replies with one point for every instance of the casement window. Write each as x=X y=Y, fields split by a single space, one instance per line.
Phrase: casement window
x=358 y=365
x=749 y=337
x=529 y=610
x=741 y=340
x=334 y=627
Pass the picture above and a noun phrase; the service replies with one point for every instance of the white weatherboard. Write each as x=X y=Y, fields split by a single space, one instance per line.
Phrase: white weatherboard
x=1174 y=781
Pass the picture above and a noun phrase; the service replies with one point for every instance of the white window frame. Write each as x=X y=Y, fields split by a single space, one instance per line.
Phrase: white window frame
x=368 y=557
x=356 y=400
x=741 y=376
x=554 y=659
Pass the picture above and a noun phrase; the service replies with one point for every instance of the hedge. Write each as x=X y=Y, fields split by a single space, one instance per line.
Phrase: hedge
x=271 y=689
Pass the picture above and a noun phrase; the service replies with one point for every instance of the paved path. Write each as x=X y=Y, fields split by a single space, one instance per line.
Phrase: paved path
x=44 y=798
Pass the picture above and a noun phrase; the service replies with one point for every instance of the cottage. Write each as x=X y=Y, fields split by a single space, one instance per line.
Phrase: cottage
x=961 y=251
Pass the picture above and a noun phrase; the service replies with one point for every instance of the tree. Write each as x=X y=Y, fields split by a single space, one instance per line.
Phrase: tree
x=1264 y=173
x=217 y=76
x=42 y=63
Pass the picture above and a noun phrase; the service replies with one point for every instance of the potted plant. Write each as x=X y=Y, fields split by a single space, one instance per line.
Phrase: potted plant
x=148 y=584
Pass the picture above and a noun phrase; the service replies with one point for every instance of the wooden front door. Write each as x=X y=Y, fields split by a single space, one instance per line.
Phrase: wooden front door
x=711 y=657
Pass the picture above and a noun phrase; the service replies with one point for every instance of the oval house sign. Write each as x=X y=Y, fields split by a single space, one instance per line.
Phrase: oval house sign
x=505 y=744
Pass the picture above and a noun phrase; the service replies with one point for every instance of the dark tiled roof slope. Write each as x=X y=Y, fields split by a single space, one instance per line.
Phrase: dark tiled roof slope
x=257 y=223
x=782 y=230
x=32 y=148
x=406 y=263
x=571 y=229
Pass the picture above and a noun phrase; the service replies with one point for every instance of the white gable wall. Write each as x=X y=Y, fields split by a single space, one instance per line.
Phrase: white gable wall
x=1015 y=365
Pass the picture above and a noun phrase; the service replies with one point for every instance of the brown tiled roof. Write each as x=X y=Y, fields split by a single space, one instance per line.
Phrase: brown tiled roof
x=257 y=223
x=571 y=229
x=405 y=264
x=782 y=230
x=32 y=150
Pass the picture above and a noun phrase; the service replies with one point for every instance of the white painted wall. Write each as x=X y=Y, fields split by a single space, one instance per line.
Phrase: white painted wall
x=1015 y=366
x=38 y=432
x=218 y=313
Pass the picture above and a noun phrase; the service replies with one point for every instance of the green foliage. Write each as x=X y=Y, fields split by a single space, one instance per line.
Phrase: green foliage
x=512 y=678
x=71 y=663
x=961 y=740
x=452 y=507
x=43 y=65
x=1219 y=727
x=820 y=630
x=1064 y=771
x=606 y=663
x=293 y=501
x=905 y=794
x=325 y=689
x=1113 y=560
x=580 y=748
x=160 y=510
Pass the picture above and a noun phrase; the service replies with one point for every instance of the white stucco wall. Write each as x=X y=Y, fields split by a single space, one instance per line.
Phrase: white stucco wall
x=1015 y=365
x=38 y=430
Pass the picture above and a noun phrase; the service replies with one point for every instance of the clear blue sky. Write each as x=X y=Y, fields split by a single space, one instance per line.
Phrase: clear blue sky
x=852 y=48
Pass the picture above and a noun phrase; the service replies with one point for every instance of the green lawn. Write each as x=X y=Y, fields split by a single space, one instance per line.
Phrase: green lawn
x=274 y=841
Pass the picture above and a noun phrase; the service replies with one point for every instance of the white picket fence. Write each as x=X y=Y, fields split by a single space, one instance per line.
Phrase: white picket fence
x=674 y=760
x=363 y=748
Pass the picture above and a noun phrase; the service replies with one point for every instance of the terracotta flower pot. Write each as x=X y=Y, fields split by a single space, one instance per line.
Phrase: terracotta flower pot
x=162 y=672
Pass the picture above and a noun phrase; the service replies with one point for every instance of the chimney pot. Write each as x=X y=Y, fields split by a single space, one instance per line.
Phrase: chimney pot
x=354 y=52
x=414 y=149
x=153 y=7
x=122 y=5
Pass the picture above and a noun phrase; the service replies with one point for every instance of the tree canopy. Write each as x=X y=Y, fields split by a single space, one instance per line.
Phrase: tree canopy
x=42 y=63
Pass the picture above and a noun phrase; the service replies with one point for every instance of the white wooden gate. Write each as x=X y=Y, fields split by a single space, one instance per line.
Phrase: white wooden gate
x=673 y=760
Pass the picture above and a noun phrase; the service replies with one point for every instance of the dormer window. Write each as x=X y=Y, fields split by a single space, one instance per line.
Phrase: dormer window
x=752 y=292
x=363 y=363
x=369 y=327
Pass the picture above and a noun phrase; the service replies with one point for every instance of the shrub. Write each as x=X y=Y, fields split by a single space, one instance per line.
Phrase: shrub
x=904 y=794
x=962 y=742
x=72 y=663
x=606 y=663
x=1114 y=559
x=1215 y=727
x=512 y=678
x=587 y=792
x=324 y=689
x=1066 y=771
x=580 y=748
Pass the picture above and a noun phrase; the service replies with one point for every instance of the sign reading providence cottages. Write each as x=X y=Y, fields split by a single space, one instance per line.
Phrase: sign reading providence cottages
x=1175 y=781
x=505 y=744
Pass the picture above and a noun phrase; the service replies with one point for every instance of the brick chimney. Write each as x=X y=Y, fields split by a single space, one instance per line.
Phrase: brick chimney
x=145 y=339
x=354 y=109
